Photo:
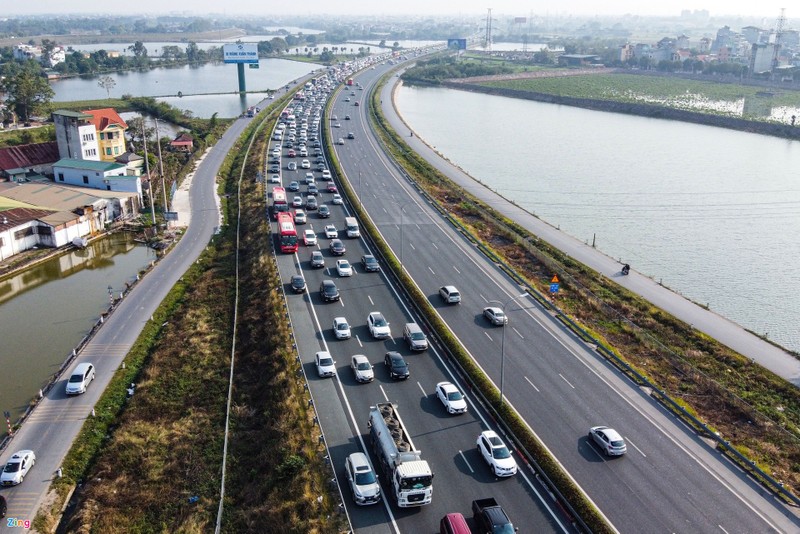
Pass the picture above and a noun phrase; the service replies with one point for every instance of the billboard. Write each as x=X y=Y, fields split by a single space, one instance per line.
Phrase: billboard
x=240 y=53
x=520 y=20
x=457 y=44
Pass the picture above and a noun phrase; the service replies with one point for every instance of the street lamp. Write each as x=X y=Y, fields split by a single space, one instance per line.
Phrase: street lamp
x=503 y=342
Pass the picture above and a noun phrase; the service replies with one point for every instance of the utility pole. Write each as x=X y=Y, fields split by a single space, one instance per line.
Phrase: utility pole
x=149 y=178
x=161 y=170
x=778 y=38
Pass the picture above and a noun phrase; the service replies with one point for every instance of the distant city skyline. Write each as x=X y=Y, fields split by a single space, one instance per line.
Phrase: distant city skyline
x=768 y=10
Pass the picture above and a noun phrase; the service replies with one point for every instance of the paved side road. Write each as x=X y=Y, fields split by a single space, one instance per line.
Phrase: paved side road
x=724 y=330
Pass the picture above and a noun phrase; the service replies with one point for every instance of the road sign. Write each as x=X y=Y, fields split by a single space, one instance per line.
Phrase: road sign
x=253 y=65
x=554 y=288
x=555 y=279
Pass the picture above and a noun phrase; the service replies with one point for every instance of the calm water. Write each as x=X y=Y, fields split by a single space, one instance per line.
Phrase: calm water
x=46 y=310
x=195 y=80
x=712 y=213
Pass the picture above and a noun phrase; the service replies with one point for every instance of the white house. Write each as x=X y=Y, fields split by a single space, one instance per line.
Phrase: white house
x=76 y=135
x=106 y=175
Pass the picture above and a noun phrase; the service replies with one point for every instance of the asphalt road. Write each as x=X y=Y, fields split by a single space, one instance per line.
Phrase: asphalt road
x=669 y=477
x=447 y=442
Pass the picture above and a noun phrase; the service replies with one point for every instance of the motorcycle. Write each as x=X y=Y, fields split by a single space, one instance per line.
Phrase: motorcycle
x=626 y=269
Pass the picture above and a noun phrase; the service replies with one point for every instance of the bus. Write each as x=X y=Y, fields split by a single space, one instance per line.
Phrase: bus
x=279 y=202
x=287 y=233
x=349 y=81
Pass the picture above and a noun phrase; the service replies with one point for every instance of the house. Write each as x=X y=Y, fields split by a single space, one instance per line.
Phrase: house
x=575 y=60
x=19 y=162
x=183 y=143
x=110 y=176
x=110 y=129
x=76 y=135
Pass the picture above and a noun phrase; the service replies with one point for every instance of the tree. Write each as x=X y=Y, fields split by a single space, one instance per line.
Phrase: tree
x=107 y=83
x=27 y=93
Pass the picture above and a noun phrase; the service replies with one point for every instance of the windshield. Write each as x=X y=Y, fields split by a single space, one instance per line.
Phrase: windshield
x=363 y=366
x=417 y=336
x=617 y=443
x=501 y=453
x=325 y=362
x=362 y=479
x=342 y=326
x=454 y=396
x=420 y=482
x=380 y=321
x=76 y=378
x=12 y=467
x=289 y=240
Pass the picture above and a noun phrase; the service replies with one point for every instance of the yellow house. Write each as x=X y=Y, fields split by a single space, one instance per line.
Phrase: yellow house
x=110 y=132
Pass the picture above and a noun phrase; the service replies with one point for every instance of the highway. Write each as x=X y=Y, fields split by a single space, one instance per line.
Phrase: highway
x=447 y=442
x=670 y=480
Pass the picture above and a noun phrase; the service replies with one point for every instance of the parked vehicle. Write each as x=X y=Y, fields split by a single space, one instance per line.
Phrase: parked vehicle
x=490 y=517
x=410 y=476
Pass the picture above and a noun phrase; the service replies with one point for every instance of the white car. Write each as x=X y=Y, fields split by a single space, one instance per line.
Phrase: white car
x=305 y=164
x=309 y=237
x=451 y=397
x=331 y=232
x=326 y=175
x=325 y=365
x=297 y=201
x=275 y=179
x=343 y=268
x=496 y=454
x=79 y=380
x=609 y=440
x=450 y=294
x=340 y=328
x=362 y=369
x=495 y=316
x=17 y=467
x=363 y=482
x=378 y=327
x=337 y=199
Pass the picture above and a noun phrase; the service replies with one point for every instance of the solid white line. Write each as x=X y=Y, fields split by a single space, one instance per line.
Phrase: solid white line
x=385 y=396
x=565 y=380
x=517 y=331
x=431 y=270
x=421 y=389
x=466 y=462
x=487 y=335
x=635 y=447
x=531 y=383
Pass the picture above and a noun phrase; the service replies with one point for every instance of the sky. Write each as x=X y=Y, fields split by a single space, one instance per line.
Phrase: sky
x=769 y=9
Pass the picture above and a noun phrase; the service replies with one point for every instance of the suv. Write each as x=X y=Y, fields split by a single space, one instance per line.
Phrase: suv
x=328 y=291
x=450 y=294
x=378 y=326
x=415 y=337
x=496 y=454
x=370 y=264
x=396 y=365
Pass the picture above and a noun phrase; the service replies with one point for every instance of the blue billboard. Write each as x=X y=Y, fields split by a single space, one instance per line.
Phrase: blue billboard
x=457 y=44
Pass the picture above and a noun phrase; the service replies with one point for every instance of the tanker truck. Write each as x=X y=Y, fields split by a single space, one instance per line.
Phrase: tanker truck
x=408 y=474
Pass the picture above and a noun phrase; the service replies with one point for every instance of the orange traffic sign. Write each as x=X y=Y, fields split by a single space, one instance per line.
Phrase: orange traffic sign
x=555 y=279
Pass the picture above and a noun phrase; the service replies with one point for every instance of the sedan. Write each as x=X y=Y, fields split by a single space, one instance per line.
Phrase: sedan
x=451 y=397
x=293 y=186
x=351 y=135
x=343 y=268
x=331 y=232
x=340 y=328
x=325 y=364
x=317 y=260
x=324 y=211
x=330 y=187
x=17 y=467
x=495 y=316
x=275 y=179
x=347 y=117
x=328 y=291
x=363 y=482
x=609 y=440
x=311 y=203
x=337 y=199
x=305 y=164
x=362 y=368
x=309 y=237
x=396 y=365
x=340 y=141
x=298 y=283
x=337 y=125
x=297 y=201
x=496 y=454
x=337 y=247
x=370 y=264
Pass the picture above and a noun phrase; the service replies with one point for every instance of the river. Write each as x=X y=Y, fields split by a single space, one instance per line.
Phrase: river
x=46 y=310
x=709 y=212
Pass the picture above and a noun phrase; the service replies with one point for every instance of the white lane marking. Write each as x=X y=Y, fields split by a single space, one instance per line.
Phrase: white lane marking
x=431 y=270
x=341 y=301
x=634 y=446
x=565 y=380
x=490 y=337
x=531 y=383
x=466 y=462
x=359 y=341
x=370 y=300
x=517 y=331
x=422 y=390
x=456 y=268
x=386 y=397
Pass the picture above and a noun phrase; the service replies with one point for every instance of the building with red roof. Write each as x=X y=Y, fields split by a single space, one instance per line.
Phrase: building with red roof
x=110 y=132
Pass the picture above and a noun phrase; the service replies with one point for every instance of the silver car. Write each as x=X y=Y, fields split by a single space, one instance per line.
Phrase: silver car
x=362 y=479
x=609 y=440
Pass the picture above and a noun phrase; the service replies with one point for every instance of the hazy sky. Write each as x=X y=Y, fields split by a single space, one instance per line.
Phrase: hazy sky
x=769 y=9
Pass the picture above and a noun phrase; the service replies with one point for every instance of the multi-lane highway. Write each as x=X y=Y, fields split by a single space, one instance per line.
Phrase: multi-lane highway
x=670 y=480
x=447 y=442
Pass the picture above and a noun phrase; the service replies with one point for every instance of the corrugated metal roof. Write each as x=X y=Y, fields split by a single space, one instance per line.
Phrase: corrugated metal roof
x=14 y=217
x=15 y=157
x=99 y=166
x=51 y=196
x=72 y=114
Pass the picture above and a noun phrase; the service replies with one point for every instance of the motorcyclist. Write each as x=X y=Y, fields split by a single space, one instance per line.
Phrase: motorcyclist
x=626 y=269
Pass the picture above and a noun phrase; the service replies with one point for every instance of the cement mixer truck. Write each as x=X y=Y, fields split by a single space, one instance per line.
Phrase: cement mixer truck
x=409 y=475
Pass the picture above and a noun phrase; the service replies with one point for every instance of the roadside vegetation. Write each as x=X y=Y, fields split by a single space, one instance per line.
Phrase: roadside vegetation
x=441 y=68
x=758 y=412
x=152 y=462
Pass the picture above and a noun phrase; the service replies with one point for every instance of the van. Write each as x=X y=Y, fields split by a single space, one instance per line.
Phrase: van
x=415 y=337
x=80 y=379
x=351 y=226
x=453 y=523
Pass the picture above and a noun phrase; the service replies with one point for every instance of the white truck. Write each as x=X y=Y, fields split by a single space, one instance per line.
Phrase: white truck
x=351 y=225
x=410 y=476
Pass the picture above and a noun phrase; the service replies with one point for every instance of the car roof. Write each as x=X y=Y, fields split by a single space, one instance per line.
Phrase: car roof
x=81 y=367
x=360 y=358
x=359 y=459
